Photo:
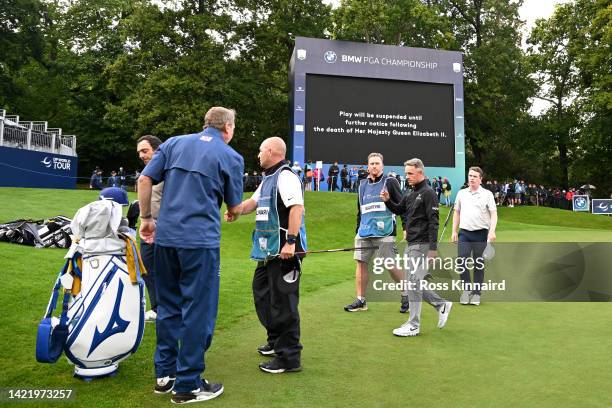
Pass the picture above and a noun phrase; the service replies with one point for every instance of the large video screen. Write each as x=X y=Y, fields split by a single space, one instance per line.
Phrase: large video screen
x=347 y=118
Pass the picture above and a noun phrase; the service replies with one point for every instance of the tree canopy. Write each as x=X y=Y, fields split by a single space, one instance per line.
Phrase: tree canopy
x=110 y=71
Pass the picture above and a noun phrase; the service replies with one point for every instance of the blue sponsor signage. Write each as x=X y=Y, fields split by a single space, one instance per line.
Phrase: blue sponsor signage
x=581 y=203
x=602 y=206
x=29 y=168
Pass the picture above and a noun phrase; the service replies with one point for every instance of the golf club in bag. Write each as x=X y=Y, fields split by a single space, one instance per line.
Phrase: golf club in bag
x=102 y=317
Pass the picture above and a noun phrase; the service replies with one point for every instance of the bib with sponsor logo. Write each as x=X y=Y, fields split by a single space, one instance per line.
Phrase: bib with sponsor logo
x=262 y=214
x=266 y=237
x=376 y=219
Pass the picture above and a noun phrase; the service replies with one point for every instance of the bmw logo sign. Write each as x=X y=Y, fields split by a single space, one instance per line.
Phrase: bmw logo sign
x=581 y=203
x=330 y=57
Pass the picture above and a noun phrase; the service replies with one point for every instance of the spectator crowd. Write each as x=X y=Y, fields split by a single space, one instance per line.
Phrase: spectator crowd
x=517 y=192
x=508 y=193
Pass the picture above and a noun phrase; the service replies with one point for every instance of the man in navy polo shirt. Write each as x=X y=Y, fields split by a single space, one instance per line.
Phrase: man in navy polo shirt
x=199 y=172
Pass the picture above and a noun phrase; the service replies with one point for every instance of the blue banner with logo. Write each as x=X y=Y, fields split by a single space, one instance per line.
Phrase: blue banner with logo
x=28 y=168
x=602 y=206
x=581 y=203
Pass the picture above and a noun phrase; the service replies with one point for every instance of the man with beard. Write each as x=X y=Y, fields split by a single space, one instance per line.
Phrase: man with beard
x=376 y=227
x=146 y=147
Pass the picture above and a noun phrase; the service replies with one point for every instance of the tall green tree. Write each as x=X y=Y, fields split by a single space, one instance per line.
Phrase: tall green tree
x=170 y=71
x=262 y=44
x=396 y=22
x=555 y=63
x=497 y=82
x=22 y=43
x=594 y=62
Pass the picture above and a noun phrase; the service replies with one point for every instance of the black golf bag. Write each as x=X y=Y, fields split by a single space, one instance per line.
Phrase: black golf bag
x=53 y=232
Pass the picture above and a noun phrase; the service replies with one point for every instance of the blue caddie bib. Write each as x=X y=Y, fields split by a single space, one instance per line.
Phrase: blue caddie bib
x=376 y=219
x=266 y=237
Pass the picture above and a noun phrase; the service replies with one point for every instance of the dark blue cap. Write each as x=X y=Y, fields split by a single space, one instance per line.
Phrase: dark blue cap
x=116 y=194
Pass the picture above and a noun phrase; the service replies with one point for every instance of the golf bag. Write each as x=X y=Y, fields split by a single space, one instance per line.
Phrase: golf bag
x=22 y=232
x=102 y=317
x=54 y=232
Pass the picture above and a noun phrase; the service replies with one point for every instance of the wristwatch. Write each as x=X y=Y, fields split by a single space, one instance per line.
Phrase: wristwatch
x=291 y=239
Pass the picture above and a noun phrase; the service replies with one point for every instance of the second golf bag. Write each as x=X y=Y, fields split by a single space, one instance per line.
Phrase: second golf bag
x=102 y=317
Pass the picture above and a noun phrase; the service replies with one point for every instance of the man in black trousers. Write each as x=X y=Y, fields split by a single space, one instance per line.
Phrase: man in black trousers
x=279 y=242
x=332 y=177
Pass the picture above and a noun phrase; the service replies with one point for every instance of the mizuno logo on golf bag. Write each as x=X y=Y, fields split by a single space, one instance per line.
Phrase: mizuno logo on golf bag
x=115 y=325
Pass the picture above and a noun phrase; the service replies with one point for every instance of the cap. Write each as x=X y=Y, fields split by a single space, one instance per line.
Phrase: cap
x=115 y=194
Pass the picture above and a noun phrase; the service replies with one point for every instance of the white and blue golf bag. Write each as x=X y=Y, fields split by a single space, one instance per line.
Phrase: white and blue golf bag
x=102 y=317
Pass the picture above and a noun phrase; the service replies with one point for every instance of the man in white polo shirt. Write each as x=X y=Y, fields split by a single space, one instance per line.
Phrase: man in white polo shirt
x=474 y=224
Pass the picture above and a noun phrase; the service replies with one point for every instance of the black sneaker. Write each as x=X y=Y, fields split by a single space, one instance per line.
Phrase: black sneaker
x=405 y=304
x=357 y=306
x=266 y=350
x=164 y=385
x=206 y=392
x=275 y=366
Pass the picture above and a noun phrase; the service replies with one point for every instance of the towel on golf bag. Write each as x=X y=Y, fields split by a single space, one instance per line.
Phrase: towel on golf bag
x=52 y=232
x=102 y=318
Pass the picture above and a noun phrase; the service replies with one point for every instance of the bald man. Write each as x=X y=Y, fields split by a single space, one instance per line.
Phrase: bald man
x=279 y=241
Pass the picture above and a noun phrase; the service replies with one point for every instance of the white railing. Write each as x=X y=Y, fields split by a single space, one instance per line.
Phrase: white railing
x=41 y=142
x=15 y=137
x=34 y=136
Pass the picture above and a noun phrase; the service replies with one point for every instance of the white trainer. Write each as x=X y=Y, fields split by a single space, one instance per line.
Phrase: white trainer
x=475 y=300
x=443 y=314
x=465 y=297
x=150 y=316
x=406 y=330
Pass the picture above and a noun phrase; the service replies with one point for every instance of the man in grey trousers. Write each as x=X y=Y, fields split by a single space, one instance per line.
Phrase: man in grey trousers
x=420 y=207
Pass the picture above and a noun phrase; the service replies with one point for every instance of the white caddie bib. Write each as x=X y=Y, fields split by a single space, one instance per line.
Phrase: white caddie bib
x=262 y=214
x=371 y=207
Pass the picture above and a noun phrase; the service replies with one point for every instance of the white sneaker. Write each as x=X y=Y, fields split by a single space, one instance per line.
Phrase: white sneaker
x=443 y=314
x=475 y=300
x=164 y=385
x=150 y=316
x=406 y=330
x=465 y=297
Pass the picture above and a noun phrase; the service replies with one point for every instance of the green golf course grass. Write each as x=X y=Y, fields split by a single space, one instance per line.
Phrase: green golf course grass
x=497 y=354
